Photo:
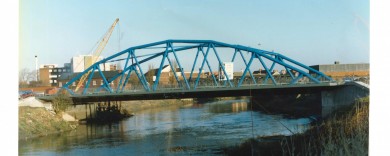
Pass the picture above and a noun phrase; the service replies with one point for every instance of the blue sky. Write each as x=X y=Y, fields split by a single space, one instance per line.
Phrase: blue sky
x=309 y=31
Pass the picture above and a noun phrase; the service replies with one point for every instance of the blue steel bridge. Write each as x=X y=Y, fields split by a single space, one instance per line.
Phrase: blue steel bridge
x=207 y=56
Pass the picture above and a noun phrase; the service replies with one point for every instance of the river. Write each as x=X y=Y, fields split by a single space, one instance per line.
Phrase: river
x=193 y=129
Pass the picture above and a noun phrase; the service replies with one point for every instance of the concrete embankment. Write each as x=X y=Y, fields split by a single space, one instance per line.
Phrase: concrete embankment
x=37 y=119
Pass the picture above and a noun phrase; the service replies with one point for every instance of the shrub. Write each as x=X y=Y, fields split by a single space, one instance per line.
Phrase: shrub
x=61 y=102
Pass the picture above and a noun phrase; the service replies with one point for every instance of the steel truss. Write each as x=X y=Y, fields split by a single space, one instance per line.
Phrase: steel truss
x=203 y=48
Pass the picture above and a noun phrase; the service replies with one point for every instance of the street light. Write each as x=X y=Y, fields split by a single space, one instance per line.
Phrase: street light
x=36 y=66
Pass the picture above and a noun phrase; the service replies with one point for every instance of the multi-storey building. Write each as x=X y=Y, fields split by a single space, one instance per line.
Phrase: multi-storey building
x=49 y=73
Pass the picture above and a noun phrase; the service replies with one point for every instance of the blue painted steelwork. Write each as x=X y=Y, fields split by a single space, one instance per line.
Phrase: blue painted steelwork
x=208 y=65
x=267 y=70
x=193 y=65
x=89 y=80
x=250 y=72
x=223 y=68
x=187 y=82
x=180 y=67
x=201 y=67
x=246 y=69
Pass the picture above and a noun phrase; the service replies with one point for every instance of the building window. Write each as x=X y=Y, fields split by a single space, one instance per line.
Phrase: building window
x=59 y=84
x=55 y=81
x=55 y=70
x=59 y=70
x=51 y=81
x=64 y=70
x=94 y=82
x=50 y=70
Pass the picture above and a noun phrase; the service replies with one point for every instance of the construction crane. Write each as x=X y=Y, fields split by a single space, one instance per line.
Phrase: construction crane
x=97 y=52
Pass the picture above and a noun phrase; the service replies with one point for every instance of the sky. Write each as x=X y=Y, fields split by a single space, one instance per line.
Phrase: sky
x=309 y=31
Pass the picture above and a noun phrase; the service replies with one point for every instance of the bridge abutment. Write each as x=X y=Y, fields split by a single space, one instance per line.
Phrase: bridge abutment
x=342 y=97
x=292 y=104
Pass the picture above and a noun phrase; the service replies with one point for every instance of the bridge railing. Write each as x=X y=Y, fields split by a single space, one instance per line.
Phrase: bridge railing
x=138 y=89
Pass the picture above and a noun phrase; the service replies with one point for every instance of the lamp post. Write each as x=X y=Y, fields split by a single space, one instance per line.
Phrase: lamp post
x=36 y=67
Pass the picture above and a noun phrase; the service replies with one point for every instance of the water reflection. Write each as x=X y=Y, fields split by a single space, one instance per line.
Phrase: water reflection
x=85 y=135
x=193 y=129
x=231 y=106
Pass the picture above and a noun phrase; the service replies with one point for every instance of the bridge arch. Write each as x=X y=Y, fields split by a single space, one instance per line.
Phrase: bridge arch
x=210 y=55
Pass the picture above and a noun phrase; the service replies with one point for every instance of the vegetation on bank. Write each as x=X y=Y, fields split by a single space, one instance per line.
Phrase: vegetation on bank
x=35 y=122
x=346 y=133
x=61 y=102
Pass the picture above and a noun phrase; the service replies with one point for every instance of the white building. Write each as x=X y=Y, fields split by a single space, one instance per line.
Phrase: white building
x=229 y=71
x=82 y=62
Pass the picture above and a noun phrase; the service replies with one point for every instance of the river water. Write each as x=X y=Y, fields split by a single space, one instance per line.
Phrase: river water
x=194 y=129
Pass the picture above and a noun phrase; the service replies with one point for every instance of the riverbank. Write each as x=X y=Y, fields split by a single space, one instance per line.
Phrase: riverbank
x=346 y=133
x=37 y=121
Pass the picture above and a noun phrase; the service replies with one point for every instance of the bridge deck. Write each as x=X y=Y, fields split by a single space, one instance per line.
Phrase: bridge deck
x=201 y=93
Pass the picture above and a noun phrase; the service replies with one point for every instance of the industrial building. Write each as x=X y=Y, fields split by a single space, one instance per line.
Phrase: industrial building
x=340 y=71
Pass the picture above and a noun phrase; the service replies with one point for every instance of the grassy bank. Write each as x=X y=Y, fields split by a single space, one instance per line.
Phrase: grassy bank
x=346 y=133
x=35 y=122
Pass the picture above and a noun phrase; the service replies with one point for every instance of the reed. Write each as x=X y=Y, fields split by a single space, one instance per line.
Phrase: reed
x=345 y=133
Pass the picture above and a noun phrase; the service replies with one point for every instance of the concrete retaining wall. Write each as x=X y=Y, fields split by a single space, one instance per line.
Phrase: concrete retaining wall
x=346 y=95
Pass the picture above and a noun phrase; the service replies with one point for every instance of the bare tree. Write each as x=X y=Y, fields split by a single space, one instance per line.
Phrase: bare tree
x=26 y=75
x=27 y=78
x=23 y=75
